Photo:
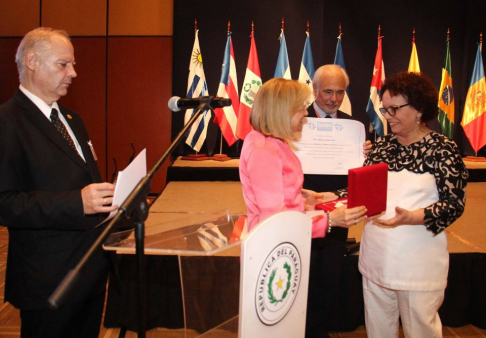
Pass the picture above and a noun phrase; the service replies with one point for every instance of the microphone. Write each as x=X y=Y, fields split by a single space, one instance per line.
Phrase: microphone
x=176 y=103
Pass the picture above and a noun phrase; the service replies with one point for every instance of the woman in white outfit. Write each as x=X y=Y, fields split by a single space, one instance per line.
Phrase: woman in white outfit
x=403 y=256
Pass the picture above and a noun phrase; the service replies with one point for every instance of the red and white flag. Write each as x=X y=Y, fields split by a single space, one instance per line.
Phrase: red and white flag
x=251 y=85
x=474 y=116
x=227 y=117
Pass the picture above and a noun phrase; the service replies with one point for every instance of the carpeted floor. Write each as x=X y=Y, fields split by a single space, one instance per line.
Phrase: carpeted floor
x=466 y=235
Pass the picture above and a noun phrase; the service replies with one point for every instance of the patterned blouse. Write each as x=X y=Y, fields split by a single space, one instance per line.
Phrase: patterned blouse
x=434 y=154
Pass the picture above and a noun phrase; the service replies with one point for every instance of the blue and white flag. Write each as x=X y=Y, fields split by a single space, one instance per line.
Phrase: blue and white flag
x=196 y=87
x=283 y=68
x=339 y=60
x=307 y=70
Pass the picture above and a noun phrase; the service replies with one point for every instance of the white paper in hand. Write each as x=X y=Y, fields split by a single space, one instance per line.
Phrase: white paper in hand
x=128 y=179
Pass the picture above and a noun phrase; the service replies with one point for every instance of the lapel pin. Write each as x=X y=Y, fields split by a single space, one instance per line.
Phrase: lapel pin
x=69 y=117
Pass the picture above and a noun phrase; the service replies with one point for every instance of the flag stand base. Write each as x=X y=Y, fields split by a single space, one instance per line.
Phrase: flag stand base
x=475 y=159
x=221 y=157
x=195 y=157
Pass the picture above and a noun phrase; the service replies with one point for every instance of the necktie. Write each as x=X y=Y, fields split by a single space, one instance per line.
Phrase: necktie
x=61 y=128
x=328 y=116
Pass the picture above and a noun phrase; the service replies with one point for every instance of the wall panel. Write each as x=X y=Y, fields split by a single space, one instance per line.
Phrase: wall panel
x=17 y=17
x=77 y=17
x=87 y=93
x=139 y=87
x=9 y=79
x=133 y=17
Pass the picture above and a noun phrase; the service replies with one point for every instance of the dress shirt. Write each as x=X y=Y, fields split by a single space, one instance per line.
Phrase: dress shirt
x=322 y=113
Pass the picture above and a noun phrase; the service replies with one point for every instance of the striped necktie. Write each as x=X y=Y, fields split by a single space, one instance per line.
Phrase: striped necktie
x=61 y=127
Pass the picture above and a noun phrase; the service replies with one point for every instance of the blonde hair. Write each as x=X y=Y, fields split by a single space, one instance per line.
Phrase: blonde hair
x=275 y=104
x=37 y=40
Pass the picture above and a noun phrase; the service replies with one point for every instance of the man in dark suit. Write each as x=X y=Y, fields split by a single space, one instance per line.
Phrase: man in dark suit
x=327 y=254
x=51 y=198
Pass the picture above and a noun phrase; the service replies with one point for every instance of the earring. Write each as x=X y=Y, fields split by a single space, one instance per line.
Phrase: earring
x=418 y=119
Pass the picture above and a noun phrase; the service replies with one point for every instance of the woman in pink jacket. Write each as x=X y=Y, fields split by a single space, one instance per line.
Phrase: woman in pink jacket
x=270 y=173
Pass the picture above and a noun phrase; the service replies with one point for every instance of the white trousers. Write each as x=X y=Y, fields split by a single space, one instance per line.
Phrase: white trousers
x=417 y=309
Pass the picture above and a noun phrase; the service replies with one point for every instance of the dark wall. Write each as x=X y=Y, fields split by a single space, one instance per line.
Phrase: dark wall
x=359 y=19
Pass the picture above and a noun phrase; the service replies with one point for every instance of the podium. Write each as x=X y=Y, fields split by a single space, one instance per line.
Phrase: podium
x=235 y=283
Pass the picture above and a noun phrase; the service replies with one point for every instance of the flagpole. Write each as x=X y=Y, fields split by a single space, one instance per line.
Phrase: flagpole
x=281 y=30
x=471 y=118
x=251 y=84
x=221 y=136
x=222 y=157
x=379 y=35
x=240 y=140
x=195 y=32
x=197 y=156
x=481 y=50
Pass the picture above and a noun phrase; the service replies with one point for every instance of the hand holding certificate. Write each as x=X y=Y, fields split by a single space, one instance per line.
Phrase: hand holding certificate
x=331 y=146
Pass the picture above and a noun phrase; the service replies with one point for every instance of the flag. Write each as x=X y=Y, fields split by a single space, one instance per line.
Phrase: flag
x=283 y=68
x=377 y=120
x=196 y=86
x=339 y=60
x=414 y=66
x=446 y=97
x=251 y=85
x=473 y=118
x=307 y=70
x=227 y=117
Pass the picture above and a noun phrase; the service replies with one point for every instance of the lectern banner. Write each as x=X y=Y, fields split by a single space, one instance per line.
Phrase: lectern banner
x=274 y=277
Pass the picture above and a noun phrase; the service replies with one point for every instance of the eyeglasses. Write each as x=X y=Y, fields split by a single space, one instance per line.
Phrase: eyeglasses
x=392 y=111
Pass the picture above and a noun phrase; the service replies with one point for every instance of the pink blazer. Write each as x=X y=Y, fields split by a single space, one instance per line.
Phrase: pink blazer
x=271 y=177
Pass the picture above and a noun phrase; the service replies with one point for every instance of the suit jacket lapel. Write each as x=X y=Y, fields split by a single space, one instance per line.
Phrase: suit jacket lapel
x=81 y=136
x=311 y=111
x=39 y=120
x=343 y=115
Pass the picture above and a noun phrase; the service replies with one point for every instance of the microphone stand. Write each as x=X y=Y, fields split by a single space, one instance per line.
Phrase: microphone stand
x=136 y=209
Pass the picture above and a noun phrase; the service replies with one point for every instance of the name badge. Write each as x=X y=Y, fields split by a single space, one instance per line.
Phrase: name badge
x=92 y=150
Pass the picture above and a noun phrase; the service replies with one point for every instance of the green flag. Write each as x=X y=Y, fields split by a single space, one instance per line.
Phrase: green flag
x=446 y=97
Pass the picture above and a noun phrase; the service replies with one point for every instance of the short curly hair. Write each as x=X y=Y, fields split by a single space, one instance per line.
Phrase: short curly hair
x=417 y=89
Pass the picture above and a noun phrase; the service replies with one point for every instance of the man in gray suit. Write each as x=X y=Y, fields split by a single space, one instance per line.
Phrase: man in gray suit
x=327 y=254
x=51 y=195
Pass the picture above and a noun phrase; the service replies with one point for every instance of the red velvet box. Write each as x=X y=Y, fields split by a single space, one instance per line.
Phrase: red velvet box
x=367 y=186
